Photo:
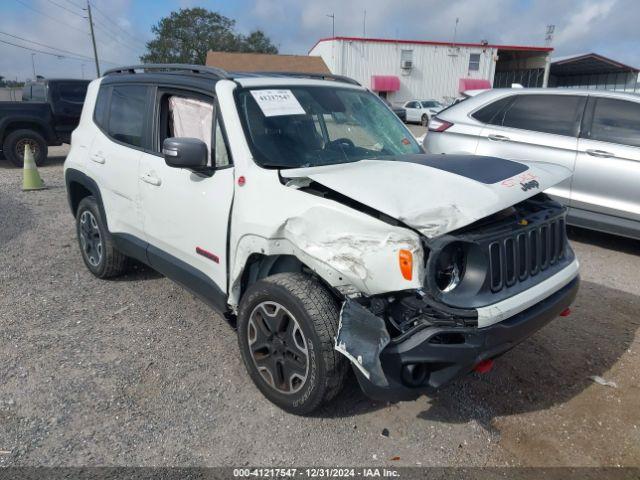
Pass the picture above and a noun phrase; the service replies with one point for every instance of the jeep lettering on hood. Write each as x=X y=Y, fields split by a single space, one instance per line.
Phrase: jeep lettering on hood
x=436 y=194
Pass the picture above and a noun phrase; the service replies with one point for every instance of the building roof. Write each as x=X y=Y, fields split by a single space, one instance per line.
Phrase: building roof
x=587 y=64
x=427 y=42
x=262 y=62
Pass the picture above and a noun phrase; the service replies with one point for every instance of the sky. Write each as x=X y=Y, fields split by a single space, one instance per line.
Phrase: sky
x=607 y=27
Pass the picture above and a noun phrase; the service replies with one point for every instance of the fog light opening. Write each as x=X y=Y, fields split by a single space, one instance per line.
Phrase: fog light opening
x=414 y=374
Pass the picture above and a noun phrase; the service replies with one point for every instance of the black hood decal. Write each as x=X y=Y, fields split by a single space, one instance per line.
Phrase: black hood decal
x=481 y=169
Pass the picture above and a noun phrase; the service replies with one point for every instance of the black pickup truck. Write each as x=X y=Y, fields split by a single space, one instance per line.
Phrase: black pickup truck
x=48 y=113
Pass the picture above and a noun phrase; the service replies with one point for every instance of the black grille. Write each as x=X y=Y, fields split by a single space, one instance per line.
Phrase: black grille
x=526 y=253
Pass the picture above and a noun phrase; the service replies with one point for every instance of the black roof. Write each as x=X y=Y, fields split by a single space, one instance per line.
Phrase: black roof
x=163 y=72
x=588 y=64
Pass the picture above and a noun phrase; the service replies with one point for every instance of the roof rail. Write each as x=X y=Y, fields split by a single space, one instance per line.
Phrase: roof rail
x=318 y=76
x=171 y=67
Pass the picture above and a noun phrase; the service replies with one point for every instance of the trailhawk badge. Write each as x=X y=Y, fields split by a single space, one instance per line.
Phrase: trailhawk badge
x=529 y=185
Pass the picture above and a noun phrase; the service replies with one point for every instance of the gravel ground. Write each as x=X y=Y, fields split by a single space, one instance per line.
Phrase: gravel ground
x=136 y=371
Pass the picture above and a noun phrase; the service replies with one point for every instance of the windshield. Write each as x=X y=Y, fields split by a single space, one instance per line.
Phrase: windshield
x=310 y=126
x=431 y=104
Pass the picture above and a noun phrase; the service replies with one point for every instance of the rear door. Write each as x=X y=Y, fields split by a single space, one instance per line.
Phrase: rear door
x=607 y=174
x=122 y=114
x=538 y=128
x=186 y=214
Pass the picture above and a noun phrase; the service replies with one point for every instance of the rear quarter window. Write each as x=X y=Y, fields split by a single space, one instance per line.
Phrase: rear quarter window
x=100 y=110
x=72 y=92
x=489 y=113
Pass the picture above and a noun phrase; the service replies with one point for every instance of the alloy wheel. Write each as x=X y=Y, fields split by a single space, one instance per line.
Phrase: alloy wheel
x=278 y=347
x=90 y=239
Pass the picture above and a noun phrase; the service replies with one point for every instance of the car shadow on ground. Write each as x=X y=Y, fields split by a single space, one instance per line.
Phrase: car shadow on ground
x=550 y=368
x=137 y=271
x=604 y=240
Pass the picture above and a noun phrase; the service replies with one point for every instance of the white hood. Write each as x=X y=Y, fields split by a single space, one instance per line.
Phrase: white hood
x=436 y=194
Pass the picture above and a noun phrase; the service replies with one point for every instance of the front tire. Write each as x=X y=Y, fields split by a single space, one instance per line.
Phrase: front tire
x=287 y=324
x=14 y=143
x=96 y=245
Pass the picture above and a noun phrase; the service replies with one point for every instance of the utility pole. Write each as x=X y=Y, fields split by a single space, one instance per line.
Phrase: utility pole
x=33 y=65
x=364 y=25
x=333 y=24
x=93 y=39
x=548 y=41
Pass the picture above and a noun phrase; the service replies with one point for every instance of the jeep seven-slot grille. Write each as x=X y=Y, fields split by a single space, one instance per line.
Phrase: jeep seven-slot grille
x=526 y=253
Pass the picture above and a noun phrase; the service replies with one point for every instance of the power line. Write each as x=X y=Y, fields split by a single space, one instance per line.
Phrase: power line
x=52 y=48
x=49 y=16
x=58 y=55
x=113 y=37
x=106 y=17
x=74 y=4
x=67 y=9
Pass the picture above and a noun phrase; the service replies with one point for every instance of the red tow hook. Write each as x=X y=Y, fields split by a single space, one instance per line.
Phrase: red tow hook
x=566 y=312
x=484 y=366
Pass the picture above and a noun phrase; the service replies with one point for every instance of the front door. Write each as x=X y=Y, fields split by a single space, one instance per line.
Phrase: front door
x=186 y=214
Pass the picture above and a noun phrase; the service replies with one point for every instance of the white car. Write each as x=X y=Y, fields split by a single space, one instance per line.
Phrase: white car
x=420 y=111
x=595 y=134
x=304 y=211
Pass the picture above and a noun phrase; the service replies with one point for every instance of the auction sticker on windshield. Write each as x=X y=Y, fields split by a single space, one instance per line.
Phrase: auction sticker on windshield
x=274 y=103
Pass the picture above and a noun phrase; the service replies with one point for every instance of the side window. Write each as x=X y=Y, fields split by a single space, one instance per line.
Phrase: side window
x=38 y=93
x=127 y=114
x=412 y=105
x=616 y=121
x=489 y=113
x=221 y=154
x=558 y=114
x=72 y=92
x=100 y=110
x=474 y=62
x=26 y=93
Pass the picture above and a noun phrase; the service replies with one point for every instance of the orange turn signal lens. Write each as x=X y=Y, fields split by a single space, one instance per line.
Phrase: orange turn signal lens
x=406 y=264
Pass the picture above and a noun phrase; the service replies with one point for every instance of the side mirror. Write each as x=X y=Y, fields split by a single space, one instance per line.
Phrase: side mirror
x=185 y=153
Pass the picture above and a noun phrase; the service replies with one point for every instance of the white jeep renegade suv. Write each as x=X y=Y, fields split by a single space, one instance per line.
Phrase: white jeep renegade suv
x=305 y=211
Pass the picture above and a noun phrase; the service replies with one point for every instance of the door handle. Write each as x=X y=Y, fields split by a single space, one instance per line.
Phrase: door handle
x=599 y=153
x=498 y=138
x=98 y=158
x=151 y=179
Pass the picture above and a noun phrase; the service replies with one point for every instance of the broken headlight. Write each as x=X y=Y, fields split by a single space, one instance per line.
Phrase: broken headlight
x=450 y=267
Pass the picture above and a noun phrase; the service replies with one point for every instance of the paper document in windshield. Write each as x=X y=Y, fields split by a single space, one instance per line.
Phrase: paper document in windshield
x=277 y=102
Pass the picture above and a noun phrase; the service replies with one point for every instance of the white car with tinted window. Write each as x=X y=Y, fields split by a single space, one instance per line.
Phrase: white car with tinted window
x=302 y=209
x=421 y=111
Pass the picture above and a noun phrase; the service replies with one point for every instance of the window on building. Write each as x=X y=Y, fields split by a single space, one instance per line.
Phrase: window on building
x=406 y=59
x=474 y=62
x=127 y=114
x=616 y=121
x=557 y=114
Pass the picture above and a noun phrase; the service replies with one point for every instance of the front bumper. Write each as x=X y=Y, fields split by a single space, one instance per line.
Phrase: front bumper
x=434 y=356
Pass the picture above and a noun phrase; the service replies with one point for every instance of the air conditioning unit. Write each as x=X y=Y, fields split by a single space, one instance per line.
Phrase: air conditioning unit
x=406 y=65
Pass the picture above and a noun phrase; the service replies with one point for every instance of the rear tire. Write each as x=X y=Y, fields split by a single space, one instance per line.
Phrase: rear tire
x=13 y=147
x=424 y=121
x=297 y=371
x=96 y=244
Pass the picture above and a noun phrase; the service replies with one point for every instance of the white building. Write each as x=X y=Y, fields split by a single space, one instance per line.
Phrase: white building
x=402 y=70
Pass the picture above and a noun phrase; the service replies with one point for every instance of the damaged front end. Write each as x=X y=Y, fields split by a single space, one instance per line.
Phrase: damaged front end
x=406 y=343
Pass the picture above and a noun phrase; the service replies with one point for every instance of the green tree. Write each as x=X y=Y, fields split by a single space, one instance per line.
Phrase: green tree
x=186 y=35
x=257 y=42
